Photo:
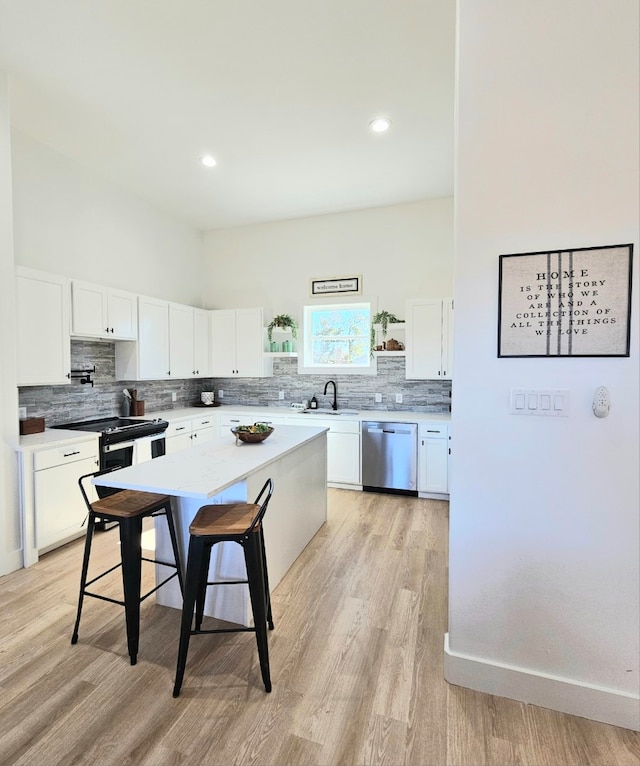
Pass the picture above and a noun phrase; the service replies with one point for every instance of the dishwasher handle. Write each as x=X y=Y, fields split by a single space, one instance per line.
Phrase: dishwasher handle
x=393 y=430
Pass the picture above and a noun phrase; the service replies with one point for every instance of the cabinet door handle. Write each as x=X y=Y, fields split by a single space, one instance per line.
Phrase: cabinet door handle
x=181 y=428
x=69 y=454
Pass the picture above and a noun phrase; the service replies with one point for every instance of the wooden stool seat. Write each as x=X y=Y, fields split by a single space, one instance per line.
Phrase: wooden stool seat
x=231 y=522
x=226 y=519
x=127 y=508
x=128 y=502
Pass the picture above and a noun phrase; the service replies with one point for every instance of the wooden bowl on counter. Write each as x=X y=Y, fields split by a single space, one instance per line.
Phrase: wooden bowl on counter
x=254 y=434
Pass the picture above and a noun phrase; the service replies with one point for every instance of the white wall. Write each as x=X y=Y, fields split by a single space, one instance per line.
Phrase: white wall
x=10 y=555
x=401 y=251
x=70 y=221
x=544 y=559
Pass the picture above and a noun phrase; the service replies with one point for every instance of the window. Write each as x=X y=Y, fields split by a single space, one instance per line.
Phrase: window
x=337 y=337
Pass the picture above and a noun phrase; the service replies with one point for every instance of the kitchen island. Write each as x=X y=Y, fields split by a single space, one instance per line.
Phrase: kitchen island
x=219 y=471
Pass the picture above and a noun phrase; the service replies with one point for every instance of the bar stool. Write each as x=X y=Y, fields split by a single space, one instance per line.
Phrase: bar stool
x=232 y=522
x=127 y=508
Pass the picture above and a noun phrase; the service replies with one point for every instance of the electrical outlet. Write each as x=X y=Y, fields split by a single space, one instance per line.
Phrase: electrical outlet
x=377 y=398
x=398 y=398
x=220 y=394
x=280 y=394
x=174 y=396
x=22 y=413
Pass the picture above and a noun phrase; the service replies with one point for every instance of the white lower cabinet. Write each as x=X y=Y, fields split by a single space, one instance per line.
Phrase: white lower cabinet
x=183 y=434
x=52 y=507
x=203 y=429
x=343 y=446
x=433 y=458
x=233 y=419
x=177 y=436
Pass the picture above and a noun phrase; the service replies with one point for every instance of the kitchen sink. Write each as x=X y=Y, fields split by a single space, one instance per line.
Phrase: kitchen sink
x=331 y=412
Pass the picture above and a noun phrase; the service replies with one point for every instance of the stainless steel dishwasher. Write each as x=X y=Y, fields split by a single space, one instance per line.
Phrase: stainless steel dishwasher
x=389 y=457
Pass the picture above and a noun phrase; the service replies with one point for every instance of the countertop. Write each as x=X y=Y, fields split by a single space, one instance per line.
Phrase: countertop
x=55 y=437
x=207 y=469
x=404 y=416
x=52 y=437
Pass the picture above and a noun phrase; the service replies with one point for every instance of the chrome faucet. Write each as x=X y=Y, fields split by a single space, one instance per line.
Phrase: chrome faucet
x=334 y=406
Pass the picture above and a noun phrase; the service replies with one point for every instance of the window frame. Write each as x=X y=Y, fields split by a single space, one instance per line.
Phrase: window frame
x=305 y=338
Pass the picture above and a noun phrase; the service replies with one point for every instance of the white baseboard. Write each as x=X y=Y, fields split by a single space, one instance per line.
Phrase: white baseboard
x=563 y=694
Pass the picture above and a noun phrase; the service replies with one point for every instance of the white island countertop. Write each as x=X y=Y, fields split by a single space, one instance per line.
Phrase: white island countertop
x=218 y=471
x=206 y=470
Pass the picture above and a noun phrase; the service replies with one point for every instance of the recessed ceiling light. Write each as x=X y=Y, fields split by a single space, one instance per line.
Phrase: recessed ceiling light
x=208 y=161
x=380 y=124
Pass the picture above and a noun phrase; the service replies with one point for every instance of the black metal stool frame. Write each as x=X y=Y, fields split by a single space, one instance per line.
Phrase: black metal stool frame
x=196 y=583
x=131 y=559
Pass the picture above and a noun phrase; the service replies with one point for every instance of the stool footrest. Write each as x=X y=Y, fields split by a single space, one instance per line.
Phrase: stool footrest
x=104 y=574
x=223 y=630
x=104 y=598
x=146 y=595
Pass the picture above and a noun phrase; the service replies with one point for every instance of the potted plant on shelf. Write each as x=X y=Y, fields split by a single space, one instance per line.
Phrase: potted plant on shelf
x=384 y=319
x=282 y=322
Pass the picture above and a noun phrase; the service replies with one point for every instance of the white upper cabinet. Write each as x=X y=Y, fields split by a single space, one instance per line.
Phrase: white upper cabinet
x=173 y=343
x=103 y=312
x=148 y=359
x=429 y=338
x=181 y=341
x=237 y=344
x=188 y=341
x=43 y=324
x=153 y=339
x=201 y=351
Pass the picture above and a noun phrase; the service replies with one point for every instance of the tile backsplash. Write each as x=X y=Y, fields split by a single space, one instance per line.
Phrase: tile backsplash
x=78 y=401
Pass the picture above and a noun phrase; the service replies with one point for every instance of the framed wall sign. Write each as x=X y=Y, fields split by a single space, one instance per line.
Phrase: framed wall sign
x=337 y=286
x=565 y=302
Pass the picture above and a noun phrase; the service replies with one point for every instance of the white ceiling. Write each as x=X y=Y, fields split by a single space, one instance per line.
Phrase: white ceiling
x=279 y=91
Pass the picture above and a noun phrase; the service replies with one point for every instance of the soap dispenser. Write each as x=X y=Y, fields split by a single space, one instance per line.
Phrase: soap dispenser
x=313 y=404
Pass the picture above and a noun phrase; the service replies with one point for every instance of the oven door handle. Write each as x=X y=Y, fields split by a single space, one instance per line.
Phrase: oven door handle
x=117 y=446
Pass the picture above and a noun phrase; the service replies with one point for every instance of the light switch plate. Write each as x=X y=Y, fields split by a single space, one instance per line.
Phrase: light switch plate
x=548 y=402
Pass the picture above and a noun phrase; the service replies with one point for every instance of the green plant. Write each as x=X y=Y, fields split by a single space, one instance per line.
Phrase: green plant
x=384 y=319
x=284 y=322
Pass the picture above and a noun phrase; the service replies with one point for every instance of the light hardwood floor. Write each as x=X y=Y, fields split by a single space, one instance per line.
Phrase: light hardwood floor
x=356 y=662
